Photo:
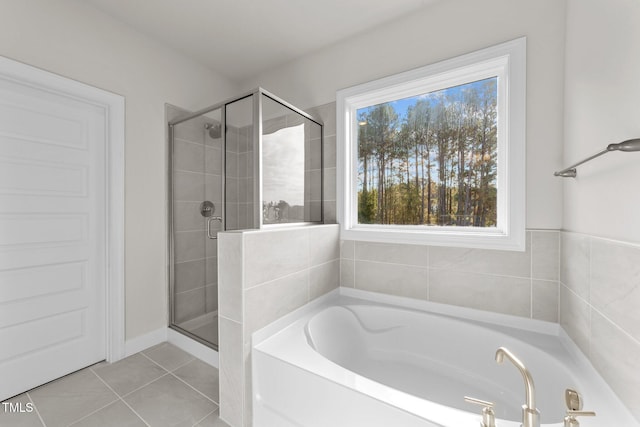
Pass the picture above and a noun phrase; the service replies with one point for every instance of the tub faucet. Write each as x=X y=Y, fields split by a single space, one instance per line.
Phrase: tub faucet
x=530 y=414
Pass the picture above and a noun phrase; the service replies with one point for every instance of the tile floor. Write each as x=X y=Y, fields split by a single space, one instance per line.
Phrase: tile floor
x=161 y=386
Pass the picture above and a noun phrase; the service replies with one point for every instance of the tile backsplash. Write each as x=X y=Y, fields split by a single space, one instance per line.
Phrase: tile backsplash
x=600 y=308
x=518 y=283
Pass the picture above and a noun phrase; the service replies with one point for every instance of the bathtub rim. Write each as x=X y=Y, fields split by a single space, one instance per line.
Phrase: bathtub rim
x=599 y=392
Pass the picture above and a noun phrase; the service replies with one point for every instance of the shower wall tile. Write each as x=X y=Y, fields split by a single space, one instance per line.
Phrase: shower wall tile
x=269 y=255
x=314 y=179
x=232 y=165
x=213 y=191
x=545 y=255
x=599 y=305
x=416 y=255
x=330 y=184
x=269 y=301
x=211 y=298
x=615 y=283
x=215 y=143
x=231 y=372
x=189 y=275
x=188 y=156
x=456 y=275
x=329 y=212
x=615 y=355
x=186 y=216
x=189 y=305
x=330 y=151
x=192 y=130
x=324 y=278
x=347 y=249
x=188 y=187
x=232 y=139
x=574 y=271
x=499 y=294
x=575 y=317
x=213 y=160
x=230 y=275
x=232 y=189
x=326 y=113
x=347 y=273
x=545 y=299
x=211 y=270
x=312 y=154
x=188 y=245
x=324 y=244
x=392 y=279
x=505 y=263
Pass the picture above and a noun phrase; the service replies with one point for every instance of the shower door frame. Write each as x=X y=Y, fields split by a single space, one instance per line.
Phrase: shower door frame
x=257 y=94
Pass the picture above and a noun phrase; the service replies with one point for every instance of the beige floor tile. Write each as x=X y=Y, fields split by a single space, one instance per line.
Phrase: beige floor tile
x=169 y=402
x=71 y=398
x=129 y=374
x=168 y=356
x=212 y=420
x=115 y=415
x=19 y=412
x=202 y=377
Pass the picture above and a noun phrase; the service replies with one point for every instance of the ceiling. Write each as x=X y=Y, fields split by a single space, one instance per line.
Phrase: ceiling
x=241 y=38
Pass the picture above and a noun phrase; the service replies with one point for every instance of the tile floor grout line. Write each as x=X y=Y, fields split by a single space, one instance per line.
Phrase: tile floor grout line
x=135 y=389
x=169 y=370
x=119 y=398
x=204 y=395
x=36 y=409
x=180 y=379
x=203 y=418
x=144 y=385
x=100 y=408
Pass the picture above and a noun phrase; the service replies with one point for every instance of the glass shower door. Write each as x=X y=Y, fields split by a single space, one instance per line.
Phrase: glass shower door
x=197 y=210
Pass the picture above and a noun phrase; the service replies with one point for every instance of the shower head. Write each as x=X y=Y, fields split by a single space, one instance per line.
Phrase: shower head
x=215 y=130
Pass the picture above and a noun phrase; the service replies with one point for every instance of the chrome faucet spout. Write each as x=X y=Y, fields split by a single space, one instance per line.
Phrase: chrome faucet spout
x=530 y=413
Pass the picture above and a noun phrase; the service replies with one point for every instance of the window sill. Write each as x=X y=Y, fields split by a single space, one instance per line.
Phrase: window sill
x=460 y=237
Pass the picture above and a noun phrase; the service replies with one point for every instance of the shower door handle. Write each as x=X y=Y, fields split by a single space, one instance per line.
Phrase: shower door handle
x=209 y=219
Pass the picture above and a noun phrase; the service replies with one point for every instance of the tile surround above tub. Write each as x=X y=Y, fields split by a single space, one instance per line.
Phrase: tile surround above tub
x=600 y=308
x=520 y=283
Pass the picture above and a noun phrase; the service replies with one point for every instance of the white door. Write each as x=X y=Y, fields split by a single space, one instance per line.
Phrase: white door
x=52 y=235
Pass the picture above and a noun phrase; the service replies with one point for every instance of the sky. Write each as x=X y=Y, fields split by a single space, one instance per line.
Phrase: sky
x=283 y=165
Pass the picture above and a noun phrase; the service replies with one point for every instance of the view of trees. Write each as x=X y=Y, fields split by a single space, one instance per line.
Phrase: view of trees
x=430 y=159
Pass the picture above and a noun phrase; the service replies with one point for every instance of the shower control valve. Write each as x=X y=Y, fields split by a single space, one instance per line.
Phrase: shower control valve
x=488 y=416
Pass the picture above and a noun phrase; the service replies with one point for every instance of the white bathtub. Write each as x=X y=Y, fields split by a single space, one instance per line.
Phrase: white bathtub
x=360 y=359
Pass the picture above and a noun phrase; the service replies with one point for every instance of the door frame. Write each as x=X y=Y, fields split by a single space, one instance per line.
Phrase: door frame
x=114 y=108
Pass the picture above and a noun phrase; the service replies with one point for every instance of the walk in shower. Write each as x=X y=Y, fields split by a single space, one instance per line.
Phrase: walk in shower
x=251 y=162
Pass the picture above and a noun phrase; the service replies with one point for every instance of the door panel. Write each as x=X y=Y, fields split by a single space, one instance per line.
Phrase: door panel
x=52 y=235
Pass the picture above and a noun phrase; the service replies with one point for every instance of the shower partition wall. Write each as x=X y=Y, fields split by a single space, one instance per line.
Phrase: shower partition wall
x=251 y=162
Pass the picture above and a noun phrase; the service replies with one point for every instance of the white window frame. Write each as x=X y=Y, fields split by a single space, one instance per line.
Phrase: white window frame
x=507 y=61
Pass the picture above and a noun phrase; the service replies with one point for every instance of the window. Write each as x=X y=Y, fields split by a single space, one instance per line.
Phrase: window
x=436 y=155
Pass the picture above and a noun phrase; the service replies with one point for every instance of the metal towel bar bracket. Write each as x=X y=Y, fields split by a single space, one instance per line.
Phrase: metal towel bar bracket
x=626 y=146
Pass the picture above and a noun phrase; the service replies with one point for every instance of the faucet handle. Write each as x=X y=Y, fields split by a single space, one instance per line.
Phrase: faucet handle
x=571 y=421
x=573 y=400
x=488 y=416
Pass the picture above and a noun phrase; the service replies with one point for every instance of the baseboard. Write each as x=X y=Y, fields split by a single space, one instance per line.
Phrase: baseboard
x=193 y=347
x=143 y=342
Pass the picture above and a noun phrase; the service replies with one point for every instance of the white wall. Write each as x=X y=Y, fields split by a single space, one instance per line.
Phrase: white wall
x=72 y=39
x=446 y=29
x=602 y=92
x=600 y=279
